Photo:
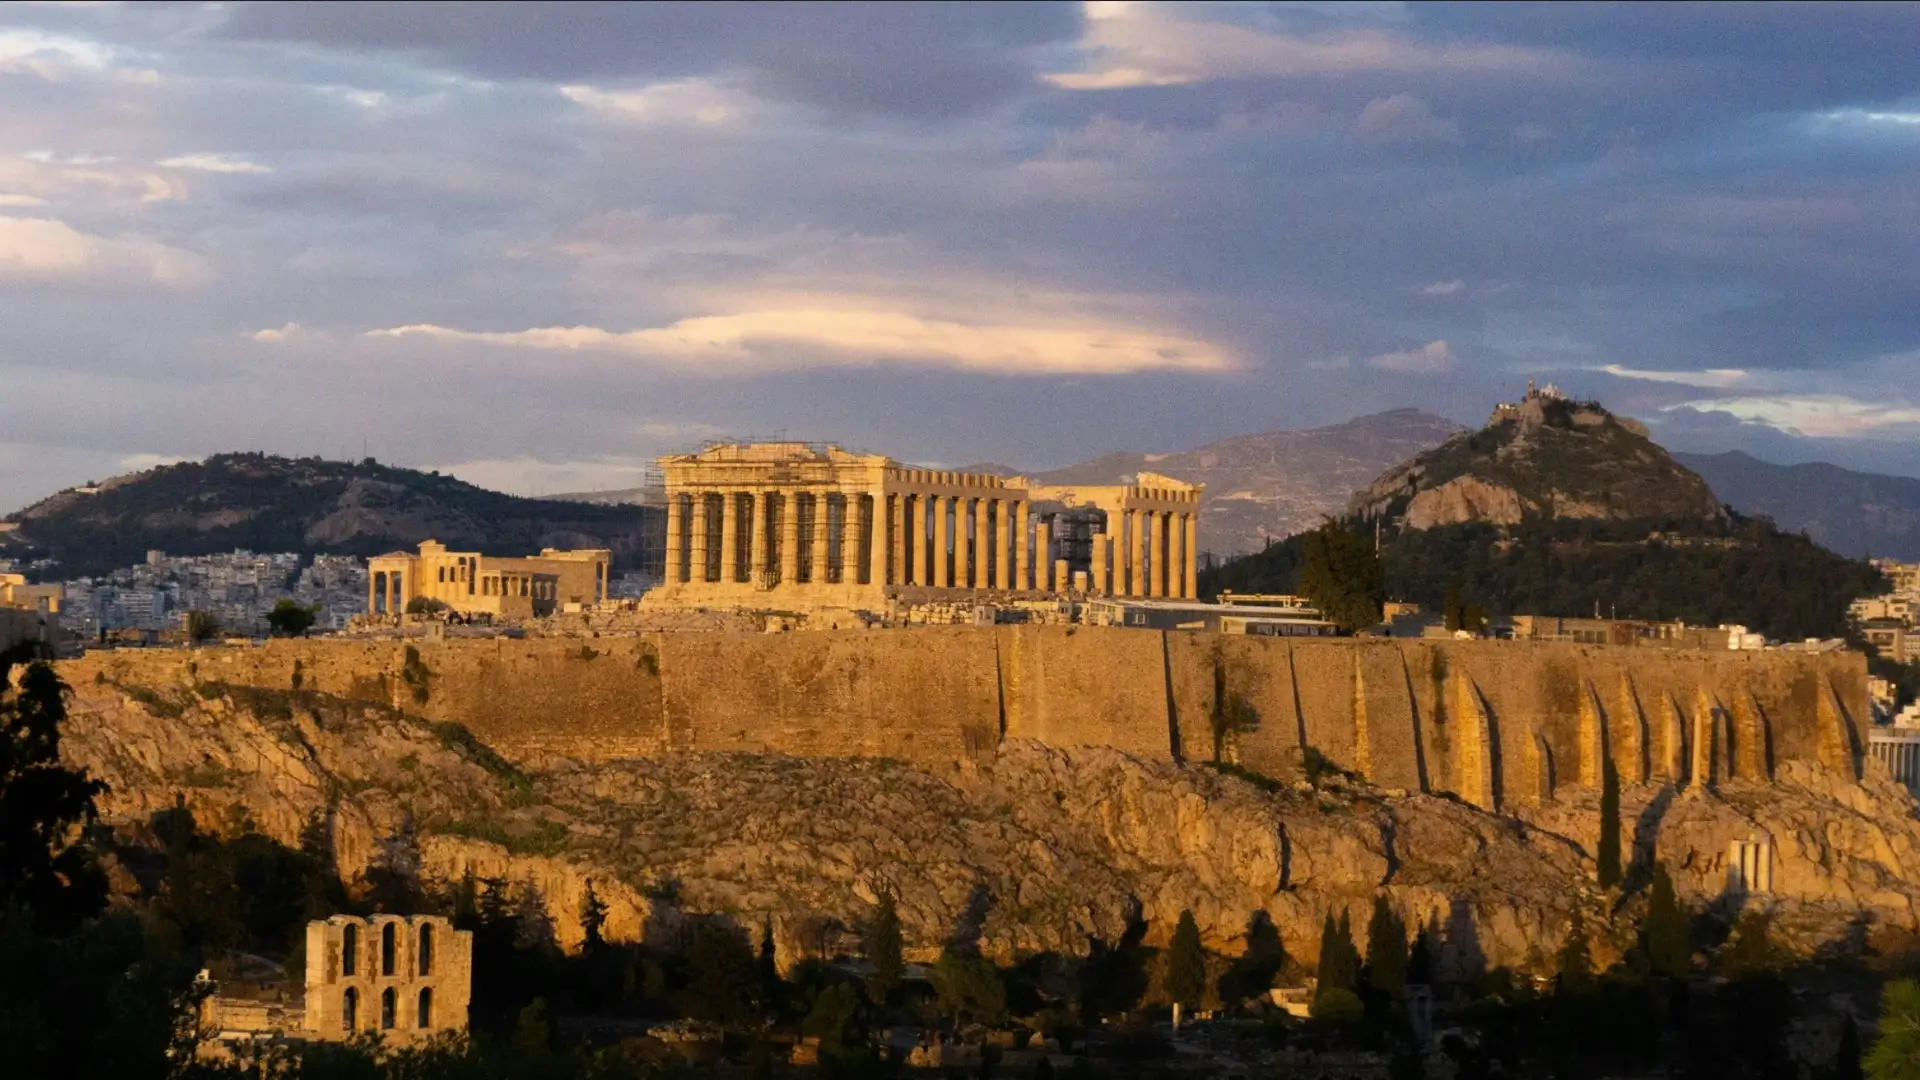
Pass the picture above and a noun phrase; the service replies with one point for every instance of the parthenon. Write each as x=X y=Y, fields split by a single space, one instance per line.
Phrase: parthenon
x=804 y=525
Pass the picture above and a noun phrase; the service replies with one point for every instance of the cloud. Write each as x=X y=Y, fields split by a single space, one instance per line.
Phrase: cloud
x=1711 y=378
x=685 y=101
x=1444 y=288
x=837 y=337
x=47 y=249
x=1147 y=46
x=214 y=163
x=274 y=336
x=1405 y=118
x=8 y=199
x=1432 y=357
x=52 y=57
x=1818 y=415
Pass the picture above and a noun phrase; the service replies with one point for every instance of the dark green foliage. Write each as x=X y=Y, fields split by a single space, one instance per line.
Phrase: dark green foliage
x=723 y=977
x=883 y=948
x=202 y=626
x=1896 y=1054
x=1251 y=975
x=289 y=618
x=1664 y=935
x=1606 y=854
x=1749 y=952
x=831 y=1020
x=1423 y=957
x=593 y=920
x=45 y=868
x=1706 y=573
x=1386 y=952
x=1186 y=964
x=1113 y=978
x=533 y=1028
x=105 y=1000
x=1339 y=968
x=185 y=509
x=1342 y=575
x=969 y=987
x=1573 y=967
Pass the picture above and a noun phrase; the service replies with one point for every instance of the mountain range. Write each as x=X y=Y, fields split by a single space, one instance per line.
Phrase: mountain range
x=1853 y=513
x=260 y=502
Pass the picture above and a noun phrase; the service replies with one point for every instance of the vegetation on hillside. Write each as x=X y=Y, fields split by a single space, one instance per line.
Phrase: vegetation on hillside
x=264 y=503
x=1743 y=571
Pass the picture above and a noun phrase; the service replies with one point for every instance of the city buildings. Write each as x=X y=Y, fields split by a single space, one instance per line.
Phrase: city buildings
x=237 y=589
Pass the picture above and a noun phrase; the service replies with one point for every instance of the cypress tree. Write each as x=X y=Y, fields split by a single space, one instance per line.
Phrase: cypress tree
x=1339 y=960
x=1607 y=855
x=1386 y=951
x=1186 y=964
x=1575 y=962
x=883 y=950
x=1664 y=935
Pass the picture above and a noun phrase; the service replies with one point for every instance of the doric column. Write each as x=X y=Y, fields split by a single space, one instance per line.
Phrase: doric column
x=789 y=537
x=877 y=540
x=729 y=538
x=1003 y=544
x=1136 y=555
x=1177 y=556
x=897 y=539
x=1156 y=535
x=676 y=520
x=1102 y=543
x=1022 y=554
x=822 y=533
x=757 y=538
x=1193 y=554
x=850 y=533
x=376 y=584
x=1042 y=559
x=982 y=543
x=920 y=552
x=698 y=570
x=962 y=543
x=941 y=504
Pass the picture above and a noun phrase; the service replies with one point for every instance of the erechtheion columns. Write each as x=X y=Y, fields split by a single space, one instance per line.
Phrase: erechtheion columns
x=801 y=525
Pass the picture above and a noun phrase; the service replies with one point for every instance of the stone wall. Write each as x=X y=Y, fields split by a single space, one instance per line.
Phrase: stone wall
x=1493 y=722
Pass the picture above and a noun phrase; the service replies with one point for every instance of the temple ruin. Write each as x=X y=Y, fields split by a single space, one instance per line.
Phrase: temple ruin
x=804 y=526
x=470 y=584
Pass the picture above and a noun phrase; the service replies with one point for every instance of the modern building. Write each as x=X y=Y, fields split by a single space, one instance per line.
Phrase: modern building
x=29 y=613
x=799 y=526
x=1897 y=746
x=1250 y=619
x=471 y=584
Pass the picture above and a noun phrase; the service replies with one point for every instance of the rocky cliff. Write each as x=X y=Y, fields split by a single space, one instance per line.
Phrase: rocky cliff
x=1545 y=458
x=1037 y=848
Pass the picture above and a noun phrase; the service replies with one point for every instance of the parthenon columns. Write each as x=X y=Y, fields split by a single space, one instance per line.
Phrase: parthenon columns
x=1137 y=553
x=1022 y=554
x=982 y=543
x=789 y=538
x=941 y=505
x=850 y=532
x=757 y=555
x=821 y=538
x=676 y=521
x=962 y=545
x=730 y=537
x=697 y=571
x=1193 y=556
x=1043 y=561
x=1157 y=566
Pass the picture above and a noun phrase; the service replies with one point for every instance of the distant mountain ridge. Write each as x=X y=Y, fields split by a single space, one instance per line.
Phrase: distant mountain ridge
x=1853 y=513
x=308 y=505
x=1272 y=484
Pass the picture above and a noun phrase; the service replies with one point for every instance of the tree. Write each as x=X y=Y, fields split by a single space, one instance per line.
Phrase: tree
x=1252 y=974
x=1846 y=1064
x=1750 y=951
x=291 y=619
x=1664 y=935
x=1341 y=573
x=533 y=1029
x=1607 y=852
x=831 y=1018
x=969 y=986
x=1574 y=966
x=1186 y=964
x=593 y=920
x=1386 y=951
x=883 y=947
x=45 y=866
x=201 y=626
x=722 y=976
x=1339 y=965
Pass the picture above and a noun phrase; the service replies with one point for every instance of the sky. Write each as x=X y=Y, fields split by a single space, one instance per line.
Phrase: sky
x=537 y=246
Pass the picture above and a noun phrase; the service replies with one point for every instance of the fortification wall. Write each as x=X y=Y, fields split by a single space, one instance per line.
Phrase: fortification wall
x=1490 y=721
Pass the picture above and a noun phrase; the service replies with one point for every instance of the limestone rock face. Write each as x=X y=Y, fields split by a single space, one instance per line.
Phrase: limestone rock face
x=1043 y=849
x=1464 y=499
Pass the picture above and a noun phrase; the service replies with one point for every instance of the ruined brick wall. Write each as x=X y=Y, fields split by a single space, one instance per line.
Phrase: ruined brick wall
x=1490 y=721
